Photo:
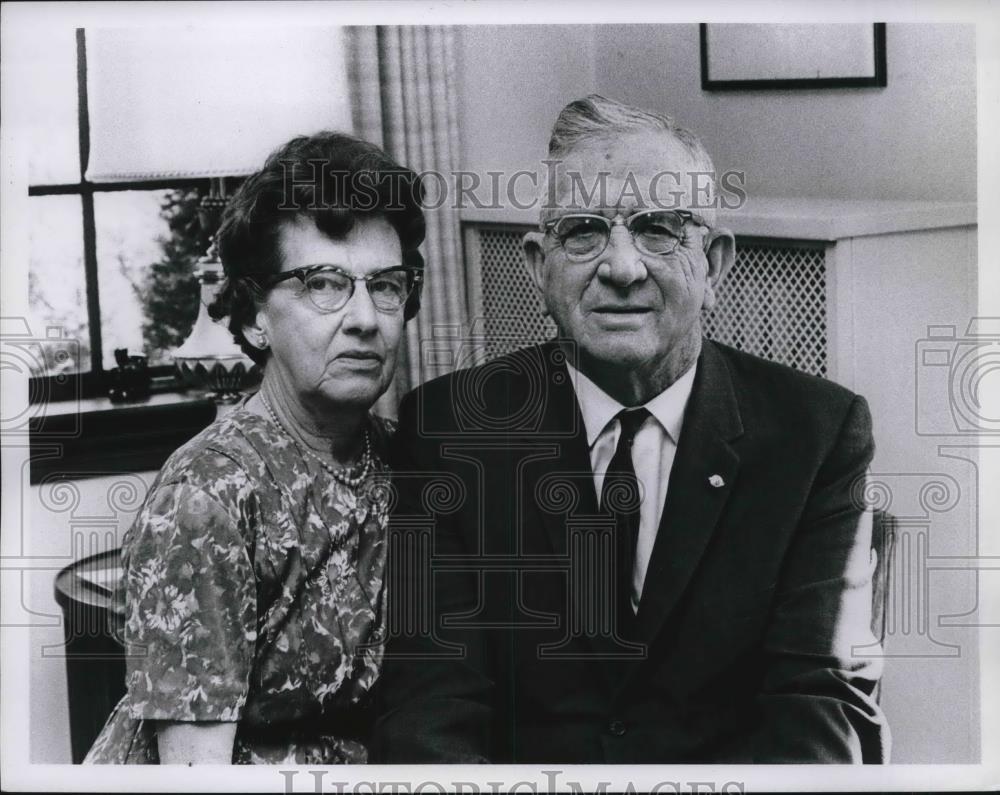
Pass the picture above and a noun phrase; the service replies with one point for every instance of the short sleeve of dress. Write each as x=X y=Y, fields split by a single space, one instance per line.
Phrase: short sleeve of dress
x=191 y=612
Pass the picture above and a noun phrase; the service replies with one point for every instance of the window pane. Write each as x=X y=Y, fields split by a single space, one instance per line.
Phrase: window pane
x=46 y=73
x=57 y=291
x=148 y=243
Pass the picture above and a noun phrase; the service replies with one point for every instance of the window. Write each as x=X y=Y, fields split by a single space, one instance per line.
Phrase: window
x=112 y=257
x=111 y=265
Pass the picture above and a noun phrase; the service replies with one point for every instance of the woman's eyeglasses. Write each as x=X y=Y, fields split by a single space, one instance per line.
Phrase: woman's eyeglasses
x=330 y=287
x=657 y=232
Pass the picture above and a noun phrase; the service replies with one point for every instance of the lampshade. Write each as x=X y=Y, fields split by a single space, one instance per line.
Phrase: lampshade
x=208 y=102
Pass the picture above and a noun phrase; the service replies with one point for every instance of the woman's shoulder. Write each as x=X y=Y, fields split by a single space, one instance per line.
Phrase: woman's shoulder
x=229 y=453
x=218 y=477
x=244 y=451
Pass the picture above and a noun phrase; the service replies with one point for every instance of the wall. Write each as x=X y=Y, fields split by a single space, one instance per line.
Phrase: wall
x=68 y=520
x=512 y=82
x=924 y=475
x=832 y=143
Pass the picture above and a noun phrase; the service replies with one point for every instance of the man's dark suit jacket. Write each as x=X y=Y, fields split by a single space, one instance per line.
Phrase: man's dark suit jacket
x=758 y=588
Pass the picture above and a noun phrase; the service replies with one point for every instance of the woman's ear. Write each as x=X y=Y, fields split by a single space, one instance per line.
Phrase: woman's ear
x=720 y=251
x=256 y=333
x=534 y=258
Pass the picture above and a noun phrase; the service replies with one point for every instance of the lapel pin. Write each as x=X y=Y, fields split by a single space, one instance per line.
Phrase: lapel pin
x=716 y=481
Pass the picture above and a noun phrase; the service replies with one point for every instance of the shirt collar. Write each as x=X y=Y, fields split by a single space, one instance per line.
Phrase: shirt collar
x=599 y=408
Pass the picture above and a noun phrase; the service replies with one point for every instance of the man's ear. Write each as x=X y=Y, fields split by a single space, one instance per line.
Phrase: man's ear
x=534 y=258
x=720 y=251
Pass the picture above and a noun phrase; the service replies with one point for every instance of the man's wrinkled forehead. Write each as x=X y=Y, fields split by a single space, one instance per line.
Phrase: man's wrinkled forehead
x=628 y=173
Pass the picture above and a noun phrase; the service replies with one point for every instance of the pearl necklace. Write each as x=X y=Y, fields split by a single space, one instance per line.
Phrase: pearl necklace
x=339 y=474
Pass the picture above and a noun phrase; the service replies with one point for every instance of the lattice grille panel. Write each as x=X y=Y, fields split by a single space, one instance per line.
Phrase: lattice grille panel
x=511 y=304
x=772 y=302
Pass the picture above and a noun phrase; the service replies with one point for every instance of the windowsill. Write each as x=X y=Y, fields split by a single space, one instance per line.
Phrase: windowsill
x=92 y=437
x=102 y=404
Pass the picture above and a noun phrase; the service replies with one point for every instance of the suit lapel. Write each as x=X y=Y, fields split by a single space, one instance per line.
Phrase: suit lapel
x=564 y=434
x=563 y=449
x=702 y=478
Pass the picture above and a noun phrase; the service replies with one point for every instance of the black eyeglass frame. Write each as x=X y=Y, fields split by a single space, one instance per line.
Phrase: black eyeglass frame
x=550 y=227
x=414 y=278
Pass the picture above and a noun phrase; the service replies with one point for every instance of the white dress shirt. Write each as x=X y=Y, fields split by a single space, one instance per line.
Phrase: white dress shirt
x=653 y=452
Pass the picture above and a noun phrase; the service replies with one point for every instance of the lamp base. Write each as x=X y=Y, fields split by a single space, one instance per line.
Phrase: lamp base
x=209 y=359
x=223 y=377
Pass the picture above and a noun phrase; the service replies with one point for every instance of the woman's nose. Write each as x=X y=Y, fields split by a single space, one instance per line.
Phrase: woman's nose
x=621 y=261
x=360 y=312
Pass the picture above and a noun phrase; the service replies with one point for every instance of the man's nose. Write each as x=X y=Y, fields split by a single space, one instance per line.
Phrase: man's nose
x=621 y=261
x=360 y=314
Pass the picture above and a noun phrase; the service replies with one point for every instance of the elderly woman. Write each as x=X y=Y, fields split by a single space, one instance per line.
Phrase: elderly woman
x=253 y=572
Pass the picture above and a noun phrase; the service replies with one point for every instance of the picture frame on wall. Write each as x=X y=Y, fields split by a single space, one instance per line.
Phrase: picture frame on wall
x=750 y=57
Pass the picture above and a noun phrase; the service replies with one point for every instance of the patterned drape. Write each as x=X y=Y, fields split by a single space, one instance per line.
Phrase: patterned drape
x=404 y=100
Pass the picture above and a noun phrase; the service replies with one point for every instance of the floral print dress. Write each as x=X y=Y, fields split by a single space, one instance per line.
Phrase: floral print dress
x=253 y=593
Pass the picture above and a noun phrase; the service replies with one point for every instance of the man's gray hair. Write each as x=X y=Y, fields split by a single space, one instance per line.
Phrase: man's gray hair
x=595 y=119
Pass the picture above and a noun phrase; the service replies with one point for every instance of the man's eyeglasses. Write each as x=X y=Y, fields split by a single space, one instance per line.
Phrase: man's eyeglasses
x=657 y=232
x=330 y=287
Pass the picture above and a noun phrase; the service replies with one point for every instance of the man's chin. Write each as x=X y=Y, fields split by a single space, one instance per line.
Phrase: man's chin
x=613 y=354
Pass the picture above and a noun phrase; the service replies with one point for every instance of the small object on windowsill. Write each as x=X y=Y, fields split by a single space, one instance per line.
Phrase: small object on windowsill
x=130 y=380
x=166 y=383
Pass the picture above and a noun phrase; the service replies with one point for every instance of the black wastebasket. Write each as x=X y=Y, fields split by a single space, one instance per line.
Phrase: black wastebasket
x=95 y=659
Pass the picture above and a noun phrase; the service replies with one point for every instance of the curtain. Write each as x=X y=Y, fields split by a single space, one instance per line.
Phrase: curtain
x=403 y=98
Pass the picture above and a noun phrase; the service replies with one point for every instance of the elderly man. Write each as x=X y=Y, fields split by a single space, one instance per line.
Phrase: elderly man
x=648 y=551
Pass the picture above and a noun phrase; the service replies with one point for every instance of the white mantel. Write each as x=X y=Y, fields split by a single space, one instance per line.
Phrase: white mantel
x=837 y=219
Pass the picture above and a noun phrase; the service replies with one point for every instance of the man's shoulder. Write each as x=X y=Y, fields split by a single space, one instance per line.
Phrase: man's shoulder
x=529 y=366
x=507 y=394
x=752 y=369
x=765 y=388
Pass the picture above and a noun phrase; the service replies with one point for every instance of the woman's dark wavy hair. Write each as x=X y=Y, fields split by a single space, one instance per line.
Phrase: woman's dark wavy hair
x=330 y=177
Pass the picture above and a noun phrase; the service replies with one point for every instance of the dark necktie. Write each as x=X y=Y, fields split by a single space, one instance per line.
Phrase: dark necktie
x=620 y=496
